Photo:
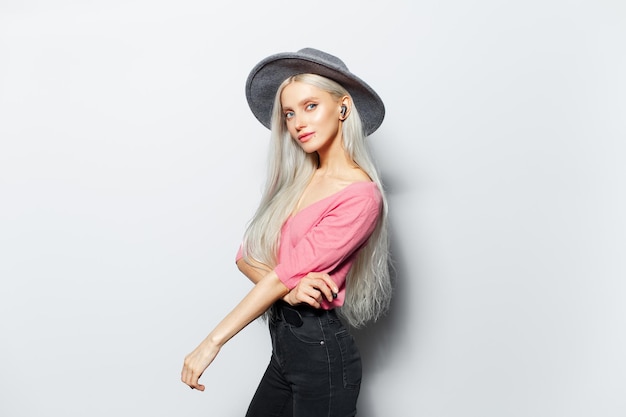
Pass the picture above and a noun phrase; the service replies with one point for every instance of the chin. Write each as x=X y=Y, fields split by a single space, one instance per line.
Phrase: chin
x=308 y=149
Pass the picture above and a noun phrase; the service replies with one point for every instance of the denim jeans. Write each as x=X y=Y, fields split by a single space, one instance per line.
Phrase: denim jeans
x=314 y=370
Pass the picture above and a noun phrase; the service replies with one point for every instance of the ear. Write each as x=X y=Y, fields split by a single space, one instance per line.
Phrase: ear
x=344 y=109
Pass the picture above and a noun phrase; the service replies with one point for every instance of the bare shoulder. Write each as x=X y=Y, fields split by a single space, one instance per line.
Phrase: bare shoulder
x=359 y=175
x=352 y=176
x=333 y=183
x=323 y=186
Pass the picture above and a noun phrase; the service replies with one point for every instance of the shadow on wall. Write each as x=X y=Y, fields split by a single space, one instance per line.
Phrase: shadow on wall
x=377 y=340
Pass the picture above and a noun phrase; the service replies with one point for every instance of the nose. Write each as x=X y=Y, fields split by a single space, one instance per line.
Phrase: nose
x=299 y=122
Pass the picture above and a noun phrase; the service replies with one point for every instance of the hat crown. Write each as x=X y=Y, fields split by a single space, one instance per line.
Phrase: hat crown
x=318 y=55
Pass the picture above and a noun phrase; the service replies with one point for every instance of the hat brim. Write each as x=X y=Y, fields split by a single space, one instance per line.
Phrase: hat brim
x=265 y=78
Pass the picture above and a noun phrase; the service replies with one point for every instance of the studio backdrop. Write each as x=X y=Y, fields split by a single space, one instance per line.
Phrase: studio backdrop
x=130 y=165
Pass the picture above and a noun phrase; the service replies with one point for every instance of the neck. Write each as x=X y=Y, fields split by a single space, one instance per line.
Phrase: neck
x=331 y=163
x=334 y=160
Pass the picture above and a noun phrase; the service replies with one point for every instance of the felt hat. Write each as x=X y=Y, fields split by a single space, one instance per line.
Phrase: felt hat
x=267 y=75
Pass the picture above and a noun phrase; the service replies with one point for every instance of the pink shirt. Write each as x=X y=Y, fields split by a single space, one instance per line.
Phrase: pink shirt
x=326 y=235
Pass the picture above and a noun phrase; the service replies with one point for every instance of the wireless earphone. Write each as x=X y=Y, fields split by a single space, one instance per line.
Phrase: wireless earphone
x=344 y=109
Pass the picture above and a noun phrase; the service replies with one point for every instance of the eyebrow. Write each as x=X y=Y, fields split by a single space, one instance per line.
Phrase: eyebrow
x=302 y=102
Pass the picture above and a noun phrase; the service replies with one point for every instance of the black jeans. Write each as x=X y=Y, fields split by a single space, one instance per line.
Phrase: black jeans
x=315 y=368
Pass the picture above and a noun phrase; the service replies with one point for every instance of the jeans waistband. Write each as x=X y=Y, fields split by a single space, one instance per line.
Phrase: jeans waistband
x=294 y=314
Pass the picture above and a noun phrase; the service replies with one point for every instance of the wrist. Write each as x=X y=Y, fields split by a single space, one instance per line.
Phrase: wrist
x=214 y=340
x=286 y=298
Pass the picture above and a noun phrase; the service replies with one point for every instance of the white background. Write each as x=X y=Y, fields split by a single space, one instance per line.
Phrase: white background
x=130 y=164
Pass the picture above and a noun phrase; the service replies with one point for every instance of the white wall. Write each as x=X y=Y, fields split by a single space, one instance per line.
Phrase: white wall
x=130 y=163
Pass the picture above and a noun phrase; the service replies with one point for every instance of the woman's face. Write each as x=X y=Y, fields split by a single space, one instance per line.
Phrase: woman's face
x=312 y=116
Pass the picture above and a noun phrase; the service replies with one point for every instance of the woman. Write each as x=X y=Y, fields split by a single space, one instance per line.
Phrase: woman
x=318 y=241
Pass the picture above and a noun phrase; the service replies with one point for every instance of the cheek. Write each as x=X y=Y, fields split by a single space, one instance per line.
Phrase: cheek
x=293 y=134
x=290 y=128
x=326 y=119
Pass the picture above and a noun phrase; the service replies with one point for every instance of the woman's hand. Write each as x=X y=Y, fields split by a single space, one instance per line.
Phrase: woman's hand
x=267 y=291
x=196 y=363
x=311 y=289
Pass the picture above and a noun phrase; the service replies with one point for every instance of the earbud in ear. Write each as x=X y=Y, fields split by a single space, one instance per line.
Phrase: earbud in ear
x=344 y=109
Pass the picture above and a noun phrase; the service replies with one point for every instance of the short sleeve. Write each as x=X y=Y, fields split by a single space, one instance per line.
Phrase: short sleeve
x=341 y=231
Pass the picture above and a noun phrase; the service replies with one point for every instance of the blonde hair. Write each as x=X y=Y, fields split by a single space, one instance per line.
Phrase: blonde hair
x=368 y=285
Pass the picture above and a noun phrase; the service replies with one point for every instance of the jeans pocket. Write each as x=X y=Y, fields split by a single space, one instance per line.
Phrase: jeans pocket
x=310 y=332
x=351 y=360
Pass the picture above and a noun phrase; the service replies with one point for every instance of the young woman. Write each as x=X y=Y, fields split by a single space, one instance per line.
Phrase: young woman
x=317 y=244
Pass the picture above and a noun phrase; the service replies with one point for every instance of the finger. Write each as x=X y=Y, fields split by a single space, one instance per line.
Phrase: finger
x=190 y=377
x=326 y=288
x=316 y=294
x=194 y=384
x=184 y=375
x=326 y=291
x=332 y=285
x=307 y=293
x=328 y=282
x=312 y=301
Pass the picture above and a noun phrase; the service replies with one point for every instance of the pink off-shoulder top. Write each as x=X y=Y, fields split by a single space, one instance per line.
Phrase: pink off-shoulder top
x=326 y=236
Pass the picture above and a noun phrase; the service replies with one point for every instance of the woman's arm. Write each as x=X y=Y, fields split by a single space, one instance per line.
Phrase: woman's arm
x=266 y=291
x=254 y=270
x=309 y=290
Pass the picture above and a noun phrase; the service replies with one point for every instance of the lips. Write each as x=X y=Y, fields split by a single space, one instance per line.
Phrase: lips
x=305 y=136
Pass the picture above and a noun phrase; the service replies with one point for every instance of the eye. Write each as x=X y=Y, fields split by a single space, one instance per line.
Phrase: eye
x=311 y=106
x=288 y=115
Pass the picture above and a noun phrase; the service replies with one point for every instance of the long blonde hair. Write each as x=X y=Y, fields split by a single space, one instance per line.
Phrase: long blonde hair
x=368 y=285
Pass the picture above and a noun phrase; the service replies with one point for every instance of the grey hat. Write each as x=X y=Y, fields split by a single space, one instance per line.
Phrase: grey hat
x=267 y=75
